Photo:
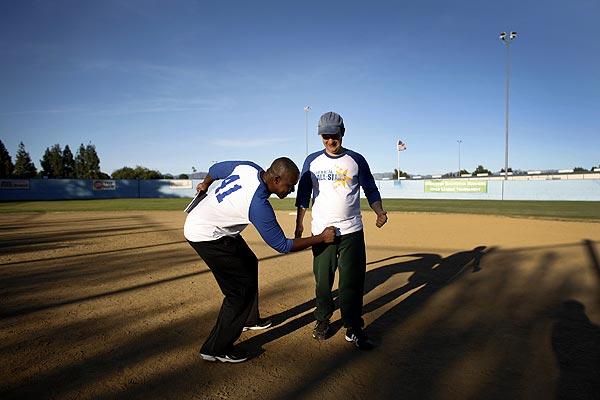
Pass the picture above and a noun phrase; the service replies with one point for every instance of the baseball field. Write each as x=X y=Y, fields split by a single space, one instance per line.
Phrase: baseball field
x=115 y=305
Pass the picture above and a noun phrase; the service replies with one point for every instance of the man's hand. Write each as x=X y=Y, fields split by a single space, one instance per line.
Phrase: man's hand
x=381 y=219
x=201 y=186
x=328 y=234
x=205 y=184
x=381 y=215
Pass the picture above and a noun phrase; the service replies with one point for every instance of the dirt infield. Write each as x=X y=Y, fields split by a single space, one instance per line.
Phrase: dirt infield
x=115 y=305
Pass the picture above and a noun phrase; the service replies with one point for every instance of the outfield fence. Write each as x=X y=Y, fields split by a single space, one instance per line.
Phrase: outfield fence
x=463 y=189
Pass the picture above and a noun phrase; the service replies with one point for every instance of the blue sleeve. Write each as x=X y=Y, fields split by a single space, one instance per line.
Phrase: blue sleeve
x=305 y=183
x=365 y=179
x=262 y=216
x=222 y=170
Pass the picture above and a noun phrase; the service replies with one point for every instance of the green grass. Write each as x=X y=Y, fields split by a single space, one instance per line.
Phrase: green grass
x=94 y=205
x=578 y=210
x=584 y=210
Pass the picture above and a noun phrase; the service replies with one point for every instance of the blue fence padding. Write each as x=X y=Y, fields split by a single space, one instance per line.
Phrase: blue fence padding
x=83 y=189
x=556 y=190
x=65 y=189
x=578 y=190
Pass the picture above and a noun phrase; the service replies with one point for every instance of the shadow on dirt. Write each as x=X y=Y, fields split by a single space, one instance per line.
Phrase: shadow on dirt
x=428 y=269
x=410 y=361
x=576 y=344
x=430 y=272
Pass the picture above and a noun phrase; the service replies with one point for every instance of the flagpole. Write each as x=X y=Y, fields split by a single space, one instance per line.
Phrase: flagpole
x=401 y=146
x=398 y=148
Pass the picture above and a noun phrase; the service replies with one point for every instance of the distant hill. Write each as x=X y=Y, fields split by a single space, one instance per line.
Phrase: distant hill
x=197 y=175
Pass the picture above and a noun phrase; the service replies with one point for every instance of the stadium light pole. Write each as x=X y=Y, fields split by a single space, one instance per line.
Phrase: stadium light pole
x=459 y=142
x=307 y=109
x=507 y=40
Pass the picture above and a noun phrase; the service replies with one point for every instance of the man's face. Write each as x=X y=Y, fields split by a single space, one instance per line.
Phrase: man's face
x=332 y=143
x=284 y=184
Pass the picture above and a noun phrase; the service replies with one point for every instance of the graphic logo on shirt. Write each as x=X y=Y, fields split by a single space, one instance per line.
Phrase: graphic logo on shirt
x=338 y=178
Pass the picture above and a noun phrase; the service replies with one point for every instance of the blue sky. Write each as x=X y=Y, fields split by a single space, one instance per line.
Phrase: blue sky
x=171 y=85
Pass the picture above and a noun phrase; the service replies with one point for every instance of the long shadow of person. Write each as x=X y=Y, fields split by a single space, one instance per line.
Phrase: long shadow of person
x=431 y=274
x=373 y=279
x=430 y=271
x=576 y=344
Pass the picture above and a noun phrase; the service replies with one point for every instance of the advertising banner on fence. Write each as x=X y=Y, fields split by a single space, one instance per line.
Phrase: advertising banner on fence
x=180 y=184
x=14 y=184
x=455 y=186
x=104 y=184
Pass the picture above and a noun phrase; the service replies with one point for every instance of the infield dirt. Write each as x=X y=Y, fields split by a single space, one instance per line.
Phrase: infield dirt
x=115 y=305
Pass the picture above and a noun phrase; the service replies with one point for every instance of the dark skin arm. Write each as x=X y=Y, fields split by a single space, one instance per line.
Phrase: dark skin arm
x=327 y=236
x=329 y=231
x=300 y=212
x=205 y=184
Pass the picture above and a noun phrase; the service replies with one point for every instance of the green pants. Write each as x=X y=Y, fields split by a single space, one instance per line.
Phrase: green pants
x=348 y=254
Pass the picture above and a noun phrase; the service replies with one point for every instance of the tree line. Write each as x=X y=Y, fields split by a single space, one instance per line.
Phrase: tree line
x=60 y=163
x=481 y=170
x=56 y=163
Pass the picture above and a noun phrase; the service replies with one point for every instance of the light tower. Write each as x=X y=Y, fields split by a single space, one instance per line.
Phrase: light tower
x=507 y=40
x=459 y=142
x=307 y=109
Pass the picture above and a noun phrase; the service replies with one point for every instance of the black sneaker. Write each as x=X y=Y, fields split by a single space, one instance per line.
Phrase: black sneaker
x=263 y=323
x=321 y=329
x=360 y=338
x=229 y=357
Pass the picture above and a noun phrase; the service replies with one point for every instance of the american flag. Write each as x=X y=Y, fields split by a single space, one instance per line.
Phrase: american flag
x=401 y=146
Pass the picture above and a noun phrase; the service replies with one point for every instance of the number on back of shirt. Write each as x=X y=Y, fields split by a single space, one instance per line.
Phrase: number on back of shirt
x=222 y=192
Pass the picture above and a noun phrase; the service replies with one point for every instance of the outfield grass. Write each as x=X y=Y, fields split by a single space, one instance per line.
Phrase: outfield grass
x=169 y=204
x=580 y=210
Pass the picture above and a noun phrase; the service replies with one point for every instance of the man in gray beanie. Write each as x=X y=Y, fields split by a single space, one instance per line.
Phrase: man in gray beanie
x=334 y=177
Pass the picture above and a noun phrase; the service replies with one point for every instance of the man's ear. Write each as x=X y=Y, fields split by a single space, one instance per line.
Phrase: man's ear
x=277 y=179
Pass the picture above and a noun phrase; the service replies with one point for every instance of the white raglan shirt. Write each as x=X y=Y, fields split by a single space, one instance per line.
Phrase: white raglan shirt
x=335 y=182
x=239 y=198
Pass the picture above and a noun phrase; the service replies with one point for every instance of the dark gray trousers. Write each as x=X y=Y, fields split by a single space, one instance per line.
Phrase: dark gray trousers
x=235 y=268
